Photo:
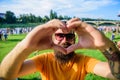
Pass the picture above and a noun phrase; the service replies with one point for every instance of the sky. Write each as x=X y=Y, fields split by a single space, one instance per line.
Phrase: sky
x=97 y=9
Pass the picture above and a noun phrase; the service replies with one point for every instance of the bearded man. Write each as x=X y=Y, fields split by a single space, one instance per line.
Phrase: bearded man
x=63 y=63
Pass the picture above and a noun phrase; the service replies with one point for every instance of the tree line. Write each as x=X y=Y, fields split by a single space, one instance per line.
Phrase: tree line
x=11 y=20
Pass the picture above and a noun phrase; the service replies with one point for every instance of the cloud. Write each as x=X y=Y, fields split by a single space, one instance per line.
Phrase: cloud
x=37 y=7
x=63 y=7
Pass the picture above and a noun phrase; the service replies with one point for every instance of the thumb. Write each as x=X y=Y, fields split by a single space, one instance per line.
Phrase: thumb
x=73 y=47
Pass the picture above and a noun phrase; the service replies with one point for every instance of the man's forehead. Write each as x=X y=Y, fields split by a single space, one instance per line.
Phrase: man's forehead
x=60 y=31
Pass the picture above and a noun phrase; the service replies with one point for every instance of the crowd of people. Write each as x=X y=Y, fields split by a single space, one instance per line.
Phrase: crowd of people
x=4 y=32
x=114 y=30
x=107 y=29
x=63 y=63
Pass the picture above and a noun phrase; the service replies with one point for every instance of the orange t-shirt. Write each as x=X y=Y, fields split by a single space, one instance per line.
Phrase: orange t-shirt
x=50 y=69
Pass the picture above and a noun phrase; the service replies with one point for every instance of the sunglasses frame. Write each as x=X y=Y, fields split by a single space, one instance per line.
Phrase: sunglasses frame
x=61 y=36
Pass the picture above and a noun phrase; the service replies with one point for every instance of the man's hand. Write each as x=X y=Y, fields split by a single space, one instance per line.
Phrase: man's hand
x=91 y=38
x=40 y=38
x=88 y=36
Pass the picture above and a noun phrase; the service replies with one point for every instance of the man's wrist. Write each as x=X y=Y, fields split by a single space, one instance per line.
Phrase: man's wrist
x=113 y=56
x=111 y=52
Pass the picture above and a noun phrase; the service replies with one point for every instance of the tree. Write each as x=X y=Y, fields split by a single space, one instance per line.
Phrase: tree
x=60 y=17
x=2 y=20
x=39 y=19
x=45 y=18
x=10 y=17
x=53 y=15
x=24 y=18
x=32 y=18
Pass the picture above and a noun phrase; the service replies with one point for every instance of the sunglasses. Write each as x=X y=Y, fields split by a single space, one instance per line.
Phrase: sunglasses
x=61 y=36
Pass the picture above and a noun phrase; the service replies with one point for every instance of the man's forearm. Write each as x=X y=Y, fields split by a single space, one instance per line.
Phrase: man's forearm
x=11 y=64
x=113 y=56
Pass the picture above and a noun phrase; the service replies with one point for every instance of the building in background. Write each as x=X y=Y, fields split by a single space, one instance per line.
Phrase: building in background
x=2 y=15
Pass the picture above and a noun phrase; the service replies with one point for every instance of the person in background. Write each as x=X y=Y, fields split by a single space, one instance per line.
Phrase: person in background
x=63 y=63
x=113 y=35
x=1 y=35
x=5 y=35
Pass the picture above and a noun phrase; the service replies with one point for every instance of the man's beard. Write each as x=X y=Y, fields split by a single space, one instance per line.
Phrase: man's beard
x=64 y=58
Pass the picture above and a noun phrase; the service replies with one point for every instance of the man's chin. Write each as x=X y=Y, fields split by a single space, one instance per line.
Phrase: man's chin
x=62 y=57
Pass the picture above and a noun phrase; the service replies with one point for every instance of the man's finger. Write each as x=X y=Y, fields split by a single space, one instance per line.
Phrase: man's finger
x=72 y=20
x=59 y=48
x=73 y=48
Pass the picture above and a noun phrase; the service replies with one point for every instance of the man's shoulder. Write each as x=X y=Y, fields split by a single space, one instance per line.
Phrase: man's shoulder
x=43 y=56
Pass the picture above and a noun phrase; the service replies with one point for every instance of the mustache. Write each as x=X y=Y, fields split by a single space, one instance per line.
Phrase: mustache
x=65 y=45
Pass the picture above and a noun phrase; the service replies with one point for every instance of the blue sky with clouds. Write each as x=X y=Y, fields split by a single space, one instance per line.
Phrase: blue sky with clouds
x=106 y=9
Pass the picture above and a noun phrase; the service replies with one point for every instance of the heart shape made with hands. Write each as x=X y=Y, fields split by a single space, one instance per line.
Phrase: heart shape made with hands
x=72 y=47
x=88 y=36
x=68 y=49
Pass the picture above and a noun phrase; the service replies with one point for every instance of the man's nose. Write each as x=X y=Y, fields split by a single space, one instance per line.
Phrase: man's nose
x=64 y=39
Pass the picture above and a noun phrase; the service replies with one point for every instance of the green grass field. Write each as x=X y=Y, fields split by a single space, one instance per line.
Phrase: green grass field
x=6 y=46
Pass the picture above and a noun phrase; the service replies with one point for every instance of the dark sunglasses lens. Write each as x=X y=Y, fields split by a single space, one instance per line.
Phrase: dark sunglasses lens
x=61 y=36
x=70 y=36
